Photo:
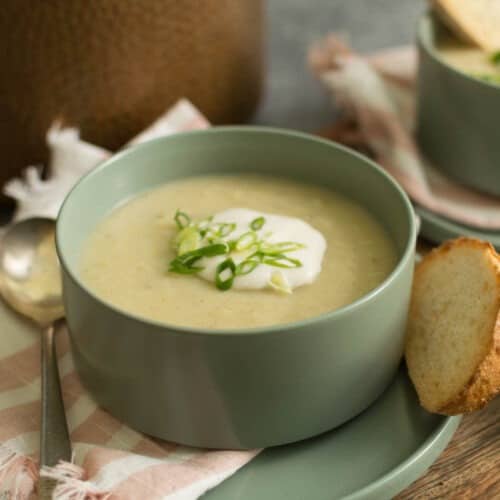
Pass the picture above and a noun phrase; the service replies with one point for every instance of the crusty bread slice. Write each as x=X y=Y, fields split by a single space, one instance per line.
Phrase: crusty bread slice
x=453 y=340
x=477 y=21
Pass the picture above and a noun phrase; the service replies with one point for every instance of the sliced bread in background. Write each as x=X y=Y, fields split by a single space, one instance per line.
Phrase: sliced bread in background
x=453 y=341
x=476 y=21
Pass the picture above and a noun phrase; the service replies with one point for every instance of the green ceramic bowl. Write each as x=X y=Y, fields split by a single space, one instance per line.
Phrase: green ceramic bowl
x=237 y=388
x=457 y=119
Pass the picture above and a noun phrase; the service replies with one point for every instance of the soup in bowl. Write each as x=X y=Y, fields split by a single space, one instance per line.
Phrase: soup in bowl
x=126 y=259
x=468 y=58
x=218 y=282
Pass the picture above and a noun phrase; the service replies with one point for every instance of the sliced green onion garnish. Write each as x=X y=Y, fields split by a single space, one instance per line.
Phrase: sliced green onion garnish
x=495 y=57
x=246 y=267
x=188 y=259
x=188 y=239
x=204 y=225
x=219 y=230
x=224 y=274
x=211 y=250
x=257 y=223
x=181 y=235
x=182 y=219
x=245 y=241
x=279 y=282
x=281 y=260
x=206 y=238
x=225 y=229
x=184 y=263
x=281 y=247
x=180 y=268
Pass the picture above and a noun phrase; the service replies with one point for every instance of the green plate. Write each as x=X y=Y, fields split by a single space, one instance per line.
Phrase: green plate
x=374 y=456
x=437 y=229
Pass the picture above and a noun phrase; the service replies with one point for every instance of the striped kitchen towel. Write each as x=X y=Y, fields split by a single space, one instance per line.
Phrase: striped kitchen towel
x=377 y=96
x=111 y=460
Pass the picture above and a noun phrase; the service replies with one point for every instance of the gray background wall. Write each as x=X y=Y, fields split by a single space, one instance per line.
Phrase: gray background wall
x=293 y=97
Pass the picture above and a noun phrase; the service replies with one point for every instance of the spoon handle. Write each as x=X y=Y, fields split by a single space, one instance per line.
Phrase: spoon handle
x=54 y=437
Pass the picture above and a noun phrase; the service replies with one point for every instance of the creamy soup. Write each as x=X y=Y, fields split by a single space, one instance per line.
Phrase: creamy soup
x=126 y=260
x=470 y=59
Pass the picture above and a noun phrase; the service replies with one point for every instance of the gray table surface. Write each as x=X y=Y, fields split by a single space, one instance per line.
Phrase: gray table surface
x=293 y=97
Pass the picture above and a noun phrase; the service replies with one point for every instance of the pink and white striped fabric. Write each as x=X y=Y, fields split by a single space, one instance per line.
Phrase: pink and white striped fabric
x=377 y=95
x=111 y=461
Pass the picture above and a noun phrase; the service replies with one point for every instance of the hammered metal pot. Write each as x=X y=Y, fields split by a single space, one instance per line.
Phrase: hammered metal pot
x=111 y=67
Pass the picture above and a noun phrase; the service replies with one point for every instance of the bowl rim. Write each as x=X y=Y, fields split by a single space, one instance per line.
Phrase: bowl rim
x=407 y=254
x=425 y=44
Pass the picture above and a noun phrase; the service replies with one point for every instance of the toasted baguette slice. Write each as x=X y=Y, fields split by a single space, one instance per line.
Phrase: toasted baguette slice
x=453 y=341
x=476 y=21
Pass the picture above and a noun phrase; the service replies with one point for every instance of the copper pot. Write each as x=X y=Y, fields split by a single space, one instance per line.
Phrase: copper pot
x=111 y=67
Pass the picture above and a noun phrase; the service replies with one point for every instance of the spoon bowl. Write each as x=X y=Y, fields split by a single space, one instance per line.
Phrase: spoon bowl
x=29 y=270
x=30 y=282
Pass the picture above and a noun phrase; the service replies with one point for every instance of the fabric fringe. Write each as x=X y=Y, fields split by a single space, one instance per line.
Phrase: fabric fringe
x=72 y=483
x=18 y=474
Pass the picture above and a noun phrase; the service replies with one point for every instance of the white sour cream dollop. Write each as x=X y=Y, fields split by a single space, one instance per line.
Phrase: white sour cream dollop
x=276 y=229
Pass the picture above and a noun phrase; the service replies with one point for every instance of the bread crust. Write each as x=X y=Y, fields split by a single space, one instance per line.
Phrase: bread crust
x=440 y=9
x=471 y=30
x=484 y=384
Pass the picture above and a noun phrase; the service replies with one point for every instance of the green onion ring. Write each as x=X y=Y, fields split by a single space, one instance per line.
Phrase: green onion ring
x=281 y=260
x=257 y=223
x=225 y=284
x=182 y=219
x=246 y=266
x=246 y=240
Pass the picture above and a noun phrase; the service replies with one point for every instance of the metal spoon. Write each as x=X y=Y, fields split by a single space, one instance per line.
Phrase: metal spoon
x=30 y=282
